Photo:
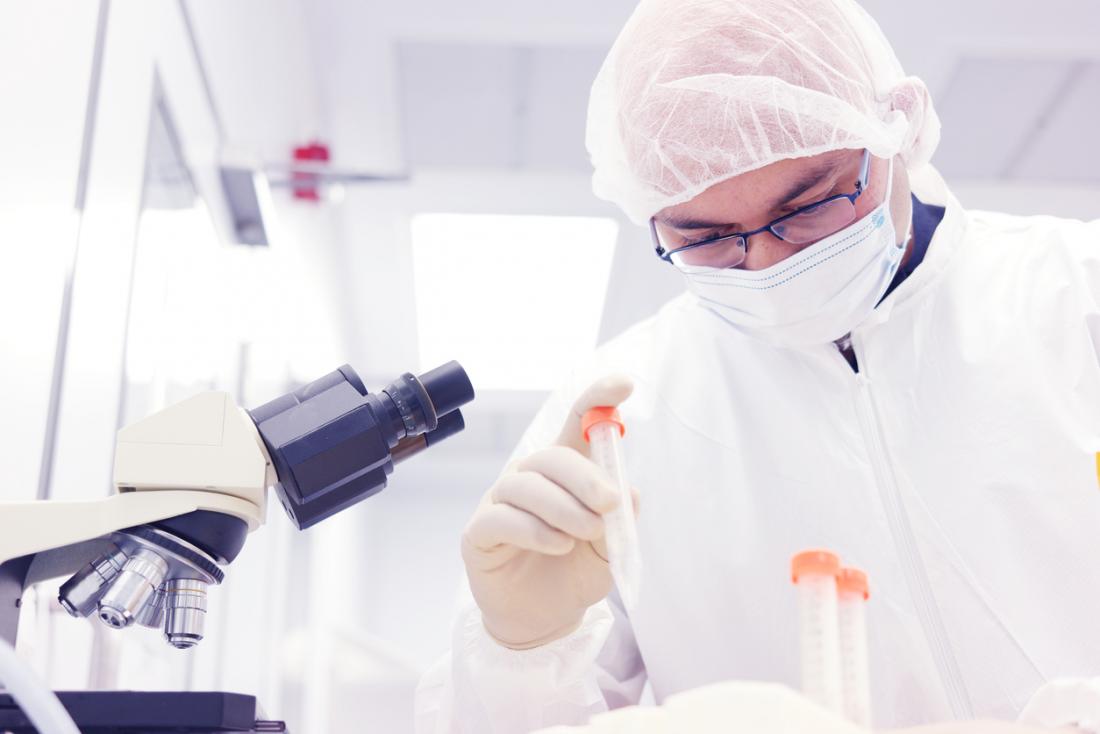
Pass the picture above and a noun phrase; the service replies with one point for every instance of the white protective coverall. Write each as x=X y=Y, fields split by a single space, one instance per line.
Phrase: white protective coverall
x=958 y=467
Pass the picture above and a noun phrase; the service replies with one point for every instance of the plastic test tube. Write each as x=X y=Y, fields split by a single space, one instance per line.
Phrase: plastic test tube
x=814 y=573
x=853 y=593
x=603 y=428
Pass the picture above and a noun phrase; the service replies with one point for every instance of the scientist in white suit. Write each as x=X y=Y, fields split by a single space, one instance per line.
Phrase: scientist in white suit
x=858 y=363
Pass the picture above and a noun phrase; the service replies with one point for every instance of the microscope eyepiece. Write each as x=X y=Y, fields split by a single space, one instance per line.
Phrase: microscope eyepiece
x=333 y=444
x=422 y=402
x=448 y=386
x=413 y=404
x=449 y=425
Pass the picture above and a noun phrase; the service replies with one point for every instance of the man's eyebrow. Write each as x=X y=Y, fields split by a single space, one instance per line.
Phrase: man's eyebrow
x=688 y=223
x=806 y=182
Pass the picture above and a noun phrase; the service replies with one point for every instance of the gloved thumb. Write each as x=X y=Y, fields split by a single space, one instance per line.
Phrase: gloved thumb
x=606 y=391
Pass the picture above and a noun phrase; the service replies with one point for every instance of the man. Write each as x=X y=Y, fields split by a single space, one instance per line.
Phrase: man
x=859 y=364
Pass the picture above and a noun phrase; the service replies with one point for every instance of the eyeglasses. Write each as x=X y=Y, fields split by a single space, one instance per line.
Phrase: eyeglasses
x=805 y=225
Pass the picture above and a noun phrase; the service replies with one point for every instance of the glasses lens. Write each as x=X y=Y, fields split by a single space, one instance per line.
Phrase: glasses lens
x=816 y=223
x=721 y=253
x=726 y=253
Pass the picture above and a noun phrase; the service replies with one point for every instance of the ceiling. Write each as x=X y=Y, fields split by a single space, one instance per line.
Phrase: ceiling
x=503 y=105
x=489 y=84
x=1021 y=119
x=505 y=84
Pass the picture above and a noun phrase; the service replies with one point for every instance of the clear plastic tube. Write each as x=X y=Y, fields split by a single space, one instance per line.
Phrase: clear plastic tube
x=32 y=696
x=623 y=552
x=852 y=618
x=814 y=574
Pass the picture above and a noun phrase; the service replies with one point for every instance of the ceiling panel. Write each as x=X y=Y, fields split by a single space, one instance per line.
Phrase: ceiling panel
x=990 y=110
x=557 y=106
x=517 y=107
x=1066 y=148
x=460 y=104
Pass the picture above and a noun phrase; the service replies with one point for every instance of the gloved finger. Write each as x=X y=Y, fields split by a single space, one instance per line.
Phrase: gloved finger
x=636 y=497
x=554 y=505
x=599 y=547
x=610 y=391
x=576 y=474
x=495 y=525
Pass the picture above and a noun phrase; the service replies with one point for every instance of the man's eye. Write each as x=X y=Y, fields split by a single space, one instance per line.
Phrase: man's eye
x=696 y=240
x=705 y=236
x=812 y=213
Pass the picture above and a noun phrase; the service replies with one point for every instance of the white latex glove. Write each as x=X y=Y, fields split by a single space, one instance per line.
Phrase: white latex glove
x=534 y=547
x=1066 y=702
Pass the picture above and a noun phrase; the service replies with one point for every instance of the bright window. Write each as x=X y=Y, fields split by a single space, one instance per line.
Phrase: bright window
x=516 y=299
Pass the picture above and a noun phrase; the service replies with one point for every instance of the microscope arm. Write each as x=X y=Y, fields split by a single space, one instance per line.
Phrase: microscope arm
x=201 y=458
x=32 y=527
x=203 y=453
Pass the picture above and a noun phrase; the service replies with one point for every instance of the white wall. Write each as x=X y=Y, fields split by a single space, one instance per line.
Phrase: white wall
x=267 y=77
x=45 y=74
x=40 y=144
x=1074 y=202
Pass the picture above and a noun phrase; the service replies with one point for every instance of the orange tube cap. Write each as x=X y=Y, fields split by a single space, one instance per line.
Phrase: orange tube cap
x=853 y=581
x=601 y=414
x=820 y=562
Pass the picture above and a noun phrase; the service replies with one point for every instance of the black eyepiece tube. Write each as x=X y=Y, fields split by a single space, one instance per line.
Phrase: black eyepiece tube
x=448 y=386
x=332 y=443
x=413 y=405
x=449 y=425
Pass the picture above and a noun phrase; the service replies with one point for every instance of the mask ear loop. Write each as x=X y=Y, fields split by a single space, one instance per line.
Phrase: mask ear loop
x=903 y=245
x=885 y=206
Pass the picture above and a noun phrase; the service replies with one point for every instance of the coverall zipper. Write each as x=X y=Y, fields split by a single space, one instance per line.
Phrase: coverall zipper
x=916 y=576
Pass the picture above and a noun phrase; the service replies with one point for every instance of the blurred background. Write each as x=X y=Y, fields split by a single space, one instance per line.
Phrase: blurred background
x=243 y=195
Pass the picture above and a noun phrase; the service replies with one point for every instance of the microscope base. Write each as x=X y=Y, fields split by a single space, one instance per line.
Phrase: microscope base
x=149 y=712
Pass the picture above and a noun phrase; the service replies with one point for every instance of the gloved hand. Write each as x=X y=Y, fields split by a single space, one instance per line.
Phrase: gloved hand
x=534 y=547
x=1066 y=702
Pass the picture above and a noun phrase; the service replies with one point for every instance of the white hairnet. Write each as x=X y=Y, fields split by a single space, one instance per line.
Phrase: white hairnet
x=694 y=92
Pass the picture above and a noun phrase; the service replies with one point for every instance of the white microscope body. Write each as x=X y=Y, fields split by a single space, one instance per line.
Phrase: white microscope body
x=203 y=454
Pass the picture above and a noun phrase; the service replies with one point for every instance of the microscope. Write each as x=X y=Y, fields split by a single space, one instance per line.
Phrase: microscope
x=191 y=484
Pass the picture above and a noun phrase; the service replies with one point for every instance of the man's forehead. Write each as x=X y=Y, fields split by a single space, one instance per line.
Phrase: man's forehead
x=745 y=195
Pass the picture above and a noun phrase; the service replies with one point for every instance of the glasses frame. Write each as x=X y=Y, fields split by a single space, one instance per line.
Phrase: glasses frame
x=861 y=186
